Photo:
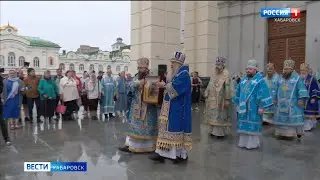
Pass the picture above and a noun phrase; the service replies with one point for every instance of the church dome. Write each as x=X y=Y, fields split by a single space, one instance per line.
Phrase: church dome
x=119 y=39
x=118 y=44
x=8 y=26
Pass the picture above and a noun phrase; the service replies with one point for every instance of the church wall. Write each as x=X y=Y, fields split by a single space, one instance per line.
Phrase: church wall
x=313 y=35
x=201 y=35
x=155 y=32
x=243 y=33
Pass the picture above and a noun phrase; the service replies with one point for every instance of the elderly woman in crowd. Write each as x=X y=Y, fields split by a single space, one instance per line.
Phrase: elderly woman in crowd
x=48 y=91
x=94 y=89
x=69 y=95
x=13 y=89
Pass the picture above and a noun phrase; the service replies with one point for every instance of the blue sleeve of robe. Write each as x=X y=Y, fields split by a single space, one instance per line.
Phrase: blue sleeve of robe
x=235 y=99
x=264 y=97
x=302 y=90
x=179 y=85
x=275 y=90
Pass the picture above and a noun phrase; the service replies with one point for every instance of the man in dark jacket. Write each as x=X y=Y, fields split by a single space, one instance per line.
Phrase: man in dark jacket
x=3 y=123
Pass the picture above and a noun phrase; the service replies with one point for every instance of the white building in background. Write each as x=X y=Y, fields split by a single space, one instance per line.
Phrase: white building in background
x=117 y=61
x=42 y=55
x=16 y=49
x=119 y=44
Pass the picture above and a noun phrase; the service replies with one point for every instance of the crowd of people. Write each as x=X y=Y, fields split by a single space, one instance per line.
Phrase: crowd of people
x=290 y=102
x=20 y=93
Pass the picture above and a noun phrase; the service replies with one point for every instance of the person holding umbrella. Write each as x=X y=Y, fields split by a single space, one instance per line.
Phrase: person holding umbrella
x=48 y=91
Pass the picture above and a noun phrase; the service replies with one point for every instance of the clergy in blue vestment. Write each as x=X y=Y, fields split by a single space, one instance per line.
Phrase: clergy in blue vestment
x=109 y=93
x=143 y=120
x=290 y=96
x=271 y=79
x=174 y=137
x=311 y=110
x=252 y=98
x=121 y=103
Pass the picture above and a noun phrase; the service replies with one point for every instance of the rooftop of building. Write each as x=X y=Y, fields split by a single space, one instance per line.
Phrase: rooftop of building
x=34 y=41
x=119 y=42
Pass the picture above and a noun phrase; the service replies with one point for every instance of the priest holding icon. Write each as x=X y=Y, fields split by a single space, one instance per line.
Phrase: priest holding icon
x=142 y=119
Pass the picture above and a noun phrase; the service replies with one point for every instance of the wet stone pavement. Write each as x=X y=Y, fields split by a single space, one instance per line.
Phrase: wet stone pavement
x=96 y=143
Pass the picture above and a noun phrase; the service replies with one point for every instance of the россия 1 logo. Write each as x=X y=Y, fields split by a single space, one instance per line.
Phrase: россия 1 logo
x=281 y=14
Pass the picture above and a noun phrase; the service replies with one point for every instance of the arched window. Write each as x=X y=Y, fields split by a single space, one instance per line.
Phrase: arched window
x=71 y=67
x=108 y=67
x=100 y=67
x=51 y=61
x=118 y=68
x=81 y=67
x=2 y=61
x=91 y=67
x=125 y=68
x=36 y=62
x=62 y=66
x=11 y=59
x=21 y=61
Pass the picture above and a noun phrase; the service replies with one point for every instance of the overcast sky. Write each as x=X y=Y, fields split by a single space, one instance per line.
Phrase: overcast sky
x=71 y=23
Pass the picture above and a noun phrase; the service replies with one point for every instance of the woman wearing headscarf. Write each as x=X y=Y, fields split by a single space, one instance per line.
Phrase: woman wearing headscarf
x=94 y=89
x=48 y=91
x=12 y=97
x=69 y=95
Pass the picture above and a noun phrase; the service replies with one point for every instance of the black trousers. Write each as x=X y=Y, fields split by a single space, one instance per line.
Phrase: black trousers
x=31 y=102
x=71 y=106
x=93 y=104
x=4 y=125
x=48 y=108
x=85 y=101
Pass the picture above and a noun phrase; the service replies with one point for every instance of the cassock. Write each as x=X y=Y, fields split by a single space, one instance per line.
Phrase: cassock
x=311 y=111
x=251 y=94
x=289 y=117
x=174 y=137
x=268 y=114
x=109 y=91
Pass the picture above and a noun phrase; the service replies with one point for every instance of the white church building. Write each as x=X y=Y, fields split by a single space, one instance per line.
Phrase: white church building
x=44 y=55
x=16 y=49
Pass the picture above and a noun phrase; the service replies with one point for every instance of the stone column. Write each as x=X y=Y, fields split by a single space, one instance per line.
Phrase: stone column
x=201 y=35
x=135 y=53
x=155 y=32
